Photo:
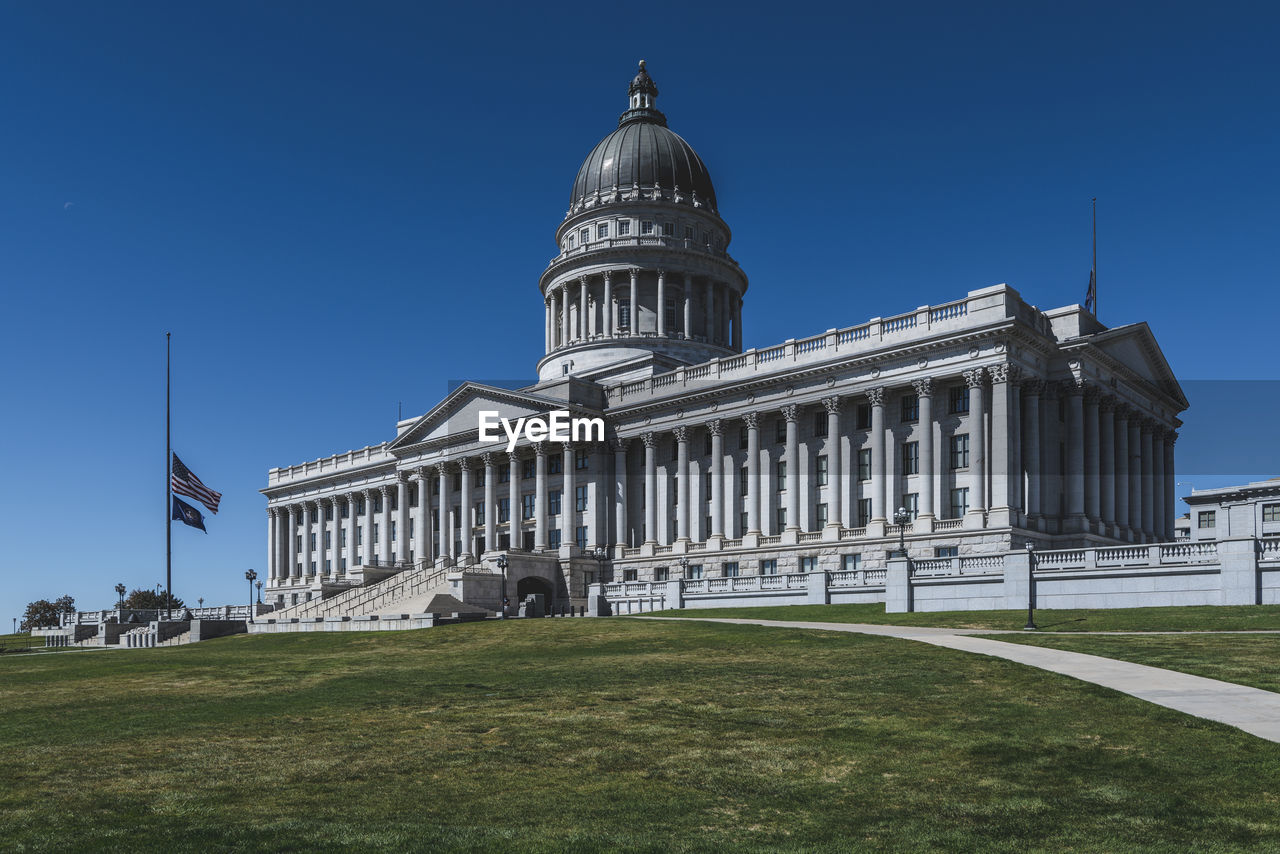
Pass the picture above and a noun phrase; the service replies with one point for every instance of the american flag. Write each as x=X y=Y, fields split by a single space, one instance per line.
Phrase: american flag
x=185 y=482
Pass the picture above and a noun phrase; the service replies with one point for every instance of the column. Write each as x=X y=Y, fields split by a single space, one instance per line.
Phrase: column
x=682 y=483
x=1031 y=390
x=514 y=540
x=402 y=516
x=568 y=497
x=566 y=333
x=977 y=441
x=1158 y=527
x=369 y=553
x=737 y=321
x=726 y=313
x=540 y=497
x=384 y=539
x=550 y=344
x=553 y=319
x=306 y=537
x=633 y=321
x=752 y=498
x=662 y=303
x=835 y=474
x=1135 y=476
x=650 y=488
x=351 y=531
x=1122 y=472
x=928 y=478
x=421 y=542
x=711 y=312
x=688 y=306
x=443 y=533
x=790 y=413
x=1075 y=455
x=584 y=330
x=1107 y=461
x=879 y=480
x=608 y=316
x=1170 y=483
x=1148 y=480
x=1092 y=459
x=620 y=491
x=273 y=551
x=334 y=537
x=291 y=549
x=1001 y=471
x=716 y=428
x=466 y=524
x=490 y=504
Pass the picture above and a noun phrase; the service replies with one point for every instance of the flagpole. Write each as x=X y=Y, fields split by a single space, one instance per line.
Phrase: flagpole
x=1095 y=256
x=168 y=486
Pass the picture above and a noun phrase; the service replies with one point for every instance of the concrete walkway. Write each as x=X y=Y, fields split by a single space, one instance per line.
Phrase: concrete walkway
x=1251 y=709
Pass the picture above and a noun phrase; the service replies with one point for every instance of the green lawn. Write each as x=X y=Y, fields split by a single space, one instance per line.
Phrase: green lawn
x=586 y=735
x=20 y=642
x=1244 y=659
x=1186 y=618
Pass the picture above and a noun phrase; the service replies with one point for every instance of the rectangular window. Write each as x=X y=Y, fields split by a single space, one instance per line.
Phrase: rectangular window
x=342 y=564
x=668 y=229
x=624 y=227
x=584 y=235
x=504 y=509
x=809 y=564
x=910 y=408
x=769 y=567
x=554 y=538
x=377 y=503
x=555 y=463
x=675 y=451
x=862 y=416
x=911 y=503
x=688 y=232
x=360 y=536
x=530 y=469
x=326 y=539
x=602 y=231
x=628 y=575
x=707 y=521
x=457 y=482
x=624 y=313
x=742 y=438
x=671 y=315
x=661 y=573
x=864 y=512
x=646 y=226
x=572 y=241
x=946 y=551
x=527 y=506
x=780 y=431
x=553 y=499
x=695 y=570
x=1208 y=518
x=781 y=474
x=820 y=516
x=959 y=502
x=393 y=531
x=580 y=536
x=706 y=492
x=742 y=521
x=581 y=459
x=1271 y=512
x=706 y=444
x=580 y=498
x=744 y=481
x=958 y=400
x=851 y=562
x=960 y=451
x=820 y=467
x=375 y=533
x=479 y=480
x=342 y=538
x=731 y=569
x=311 y=539
x=326 y=565
x=782 y=518
x=911 y=458
x=864 y=464
x=478 y=518
x=820 y=423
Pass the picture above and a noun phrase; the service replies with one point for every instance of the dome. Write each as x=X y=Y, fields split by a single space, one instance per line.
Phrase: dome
x=643 y=153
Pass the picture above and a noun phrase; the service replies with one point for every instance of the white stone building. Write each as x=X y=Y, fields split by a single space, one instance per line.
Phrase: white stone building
x=990 y=421
x=1235 y=512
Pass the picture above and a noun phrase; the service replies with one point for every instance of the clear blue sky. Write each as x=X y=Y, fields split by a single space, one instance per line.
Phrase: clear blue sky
x=337 y=207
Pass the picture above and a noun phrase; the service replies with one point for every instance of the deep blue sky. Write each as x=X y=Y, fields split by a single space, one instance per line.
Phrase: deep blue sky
x=337 y=207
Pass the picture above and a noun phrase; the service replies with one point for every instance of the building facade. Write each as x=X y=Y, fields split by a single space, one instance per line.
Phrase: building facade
x=1234 y=512
x=988 y=421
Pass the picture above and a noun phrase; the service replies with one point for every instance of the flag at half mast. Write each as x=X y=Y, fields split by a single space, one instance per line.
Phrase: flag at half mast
x=184 y=482
x=187 y=515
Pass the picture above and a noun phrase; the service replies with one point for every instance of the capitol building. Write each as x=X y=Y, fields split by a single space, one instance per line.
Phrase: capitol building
x=989 y=422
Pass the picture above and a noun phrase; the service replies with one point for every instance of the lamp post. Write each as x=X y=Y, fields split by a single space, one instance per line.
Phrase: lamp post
x=120 y=589
x=684 y=567
x=502 y=565
x=901 y=518
x=259 y=586
x=600 y=555
x=200 y=601
x=1031 y=584
x=251 y=577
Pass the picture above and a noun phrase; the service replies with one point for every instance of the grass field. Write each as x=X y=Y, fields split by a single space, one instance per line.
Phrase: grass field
x=585 y=735
x=1186 y=618
x=20 y=642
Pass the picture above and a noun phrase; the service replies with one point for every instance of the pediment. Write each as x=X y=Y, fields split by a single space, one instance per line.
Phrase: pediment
x=1134 y=347
x=459 y=413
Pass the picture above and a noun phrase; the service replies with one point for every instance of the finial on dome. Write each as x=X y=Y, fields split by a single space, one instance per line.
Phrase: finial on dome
x=642 y=91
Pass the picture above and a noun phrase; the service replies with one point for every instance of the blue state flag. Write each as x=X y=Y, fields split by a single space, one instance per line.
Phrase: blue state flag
x=187 y=514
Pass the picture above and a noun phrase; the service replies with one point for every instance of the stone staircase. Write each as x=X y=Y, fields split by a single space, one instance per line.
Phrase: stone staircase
x=411 y=584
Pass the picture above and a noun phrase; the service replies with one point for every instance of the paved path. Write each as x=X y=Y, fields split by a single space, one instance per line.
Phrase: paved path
x=1251 y=709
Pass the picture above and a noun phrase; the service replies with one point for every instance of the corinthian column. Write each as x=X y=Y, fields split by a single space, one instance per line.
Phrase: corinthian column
x=752 y=499
x=465 y=523
x=977 y=441
x=1107 y=462
x=633 y=321
x=553 y=320
x=568 y=496
x=370 y=555
x=789 y=414
x=384 y=542
x=514 y=510
x=662 y=303
x=1123 y=531
x=682 y=483
x=1031 y=390
x=443 y=531
x=879 y=476
x=1148 y=480
x=566 y=331
x=306 y=537
x=620 y=490
x=650 y=488
x=421 y=539
x=716 y=428
x=490 y=504
x=584 y=330
x=606 y=310
x=540 y=497
x=273 y=552
x=1092 y=459
x=402 y=512
x=687 y=293
x=1075 y=456
x=928 y=480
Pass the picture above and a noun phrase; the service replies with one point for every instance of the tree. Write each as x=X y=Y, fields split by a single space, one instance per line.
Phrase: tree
x=65 y=605
x=149 y=600
x=41 y=612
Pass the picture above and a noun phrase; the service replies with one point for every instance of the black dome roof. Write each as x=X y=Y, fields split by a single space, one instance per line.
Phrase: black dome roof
x=643 y=152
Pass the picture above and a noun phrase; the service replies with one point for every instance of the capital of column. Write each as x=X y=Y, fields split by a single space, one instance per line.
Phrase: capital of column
x=875 y=396
x=1004 y=372
x=752 y=420
x=1033 y=387
x=1150 y=426
x=649 y=439
x=974 y=377
x=789 y=412
x=539 y=448
x=716 y=427
x=831 y=404
x=608 y=277
x=273 y=512
x=1092 y=395
x=402 y=477
x=513 y=457
x=681 y=434
x=923 y=387
x=1123 y=411
x=487 y=458
x=464 y=464
x=1170 y=436
x=1106 y=403
x=619 y=445
x=635 y=273
x=582 y=279
x=386 y=489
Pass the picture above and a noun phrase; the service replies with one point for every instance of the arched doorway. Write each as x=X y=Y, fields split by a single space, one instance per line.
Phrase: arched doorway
x=534 y=584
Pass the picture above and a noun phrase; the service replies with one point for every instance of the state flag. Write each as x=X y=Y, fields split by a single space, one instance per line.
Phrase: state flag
x=188 y=515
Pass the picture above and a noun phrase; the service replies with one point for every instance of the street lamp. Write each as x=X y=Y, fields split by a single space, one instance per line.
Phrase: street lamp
x=200 y=601
x=251 y=577
x=901 y=518
x=259 y=586
x=684 y=567
x=502 y=565
x=600 y=555
x=120 y=589
x=1031 y=581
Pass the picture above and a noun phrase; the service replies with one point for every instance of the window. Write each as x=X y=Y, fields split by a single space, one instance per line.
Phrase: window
x=864 y=464
x=504 y=509
x=959 y=502
x=375 y=533
x=342 y=564
x=671 y=314
x=413 y=493
x=781 y=470
x=782 y=518
x=706 y=492
x=297 y=539
x=864 y=512
x=624 y=227
x=820 y=423
x=707 y=521
x=580 y=536
x=530 y=468
x=960 y=451
x=646 y=227
x=624 y=313
x=628 y=575
x=572 y=241
x=393 y=530
x=820 y=516
x=706 y=444
x=602 y=231
x=580 y=498
x=780 y=431
x=744 y=480
x=946 y=551
x=581 y=459
x=911 y=458
x=342 y=538
x=668 y=229
x=661 y=573
x=1271 y=512
x=742 y=438
x=695 y=570
x=553 y=498
x=479 y=479
x=821 y=469
x=554 y=538
x=958 y=400
x=555 y=463
x=584 y=235
x=911 y=503
x=675 y=450
x=377 y=503
x=731 y=569
x=527 y=506
x=311 y=539
x=326 y=539
x=360 y=536
x=851 y=562
x=457 y=484
x=504 y=474
x=1208 y=519
x=742 y=521
x=326 y=565
x=688 y=232
x=769 y=567
x=862 y=416
x=808 y=564
x=479 y=517
x=910 y=408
